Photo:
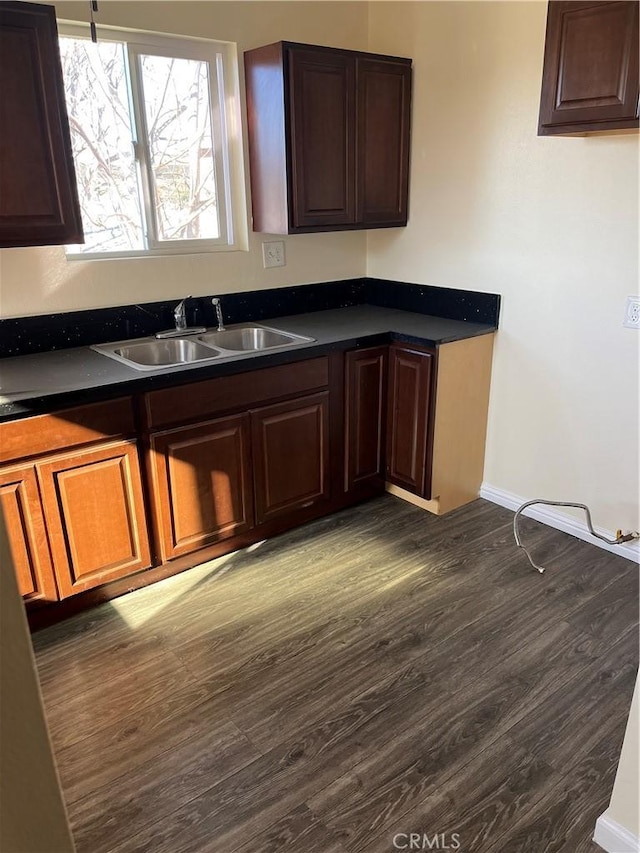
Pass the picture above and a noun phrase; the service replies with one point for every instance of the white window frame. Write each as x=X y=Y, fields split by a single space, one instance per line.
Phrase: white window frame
x=224 y=93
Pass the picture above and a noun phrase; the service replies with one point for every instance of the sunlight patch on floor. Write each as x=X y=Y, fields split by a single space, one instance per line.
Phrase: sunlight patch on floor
x=401 y=579
x=171 y=590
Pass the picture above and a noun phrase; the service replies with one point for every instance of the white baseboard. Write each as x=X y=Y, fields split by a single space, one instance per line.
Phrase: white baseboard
x=554 y=518
x=613 y=837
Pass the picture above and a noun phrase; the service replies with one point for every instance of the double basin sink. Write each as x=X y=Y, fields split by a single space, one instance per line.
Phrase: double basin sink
x=152 y=353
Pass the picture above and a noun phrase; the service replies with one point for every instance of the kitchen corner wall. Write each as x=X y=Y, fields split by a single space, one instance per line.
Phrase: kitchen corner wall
x=549 y=223
x=41 y=280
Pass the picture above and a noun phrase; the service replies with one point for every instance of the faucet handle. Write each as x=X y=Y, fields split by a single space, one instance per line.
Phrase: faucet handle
x=179 y=309
x=217 y=304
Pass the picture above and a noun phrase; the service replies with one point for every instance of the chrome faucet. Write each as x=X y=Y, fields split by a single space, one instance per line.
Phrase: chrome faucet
x=180 y=315
x=218 y=306
x=181 y=328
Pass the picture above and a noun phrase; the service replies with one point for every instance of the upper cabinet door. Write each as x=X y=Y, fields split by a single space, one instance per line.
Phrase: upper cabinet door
x=38 y=194
x=384 y=111
x=590 y=77
x=323 y=138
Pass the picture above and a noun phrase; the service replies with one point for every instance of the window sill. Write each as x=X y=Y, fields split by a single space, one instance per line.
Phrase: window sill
x=148 y=253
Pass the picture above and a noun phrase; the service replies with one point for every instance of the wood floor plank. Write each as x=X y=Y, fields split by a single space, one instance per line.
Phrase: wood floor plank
x=566 y=815
x=376 y=668
x=479 y=624
x=475 y=805
x=608 y=615
x=427 y=748
x=300 y=830
x=359 y=806
x=133 y=739
x=82 y=715
x=568 y=724
x=107 y=816
x=76 y=674
x=270 y=786
x=128 y=736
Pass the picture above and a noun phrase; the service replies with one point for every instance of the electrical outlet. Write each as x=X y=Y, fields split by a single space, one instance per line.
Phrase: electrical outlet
x=273 y=254
x=632 y=313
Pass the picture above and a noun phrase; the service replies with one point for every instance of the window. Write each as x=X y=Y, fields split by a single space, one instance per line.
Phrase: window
x=151 y=142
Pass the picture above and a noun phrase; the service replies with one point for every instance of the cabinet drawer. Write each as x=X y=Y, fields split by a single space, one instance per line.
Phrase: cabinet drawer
x=234 y=393
x=68 y=428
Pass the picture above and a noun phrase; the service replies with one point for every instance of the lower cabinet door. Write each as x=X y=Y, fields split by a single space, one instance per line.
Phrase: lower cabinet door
x=202 y=489
x=365 y=393
x=24 y=521
x=408 y=423
x=290 y=456
x=95 y=515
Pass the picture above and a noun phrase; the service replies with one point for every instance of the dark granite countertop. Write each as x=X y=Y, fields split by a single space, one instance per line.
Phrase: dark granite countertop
x=43 y=382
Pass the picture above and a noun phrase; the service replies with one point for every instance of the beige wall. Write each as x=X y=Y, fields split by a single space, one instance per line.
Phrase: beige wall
x=38 y=281
x=625 y=799
x=551 y=224
x=32 y=813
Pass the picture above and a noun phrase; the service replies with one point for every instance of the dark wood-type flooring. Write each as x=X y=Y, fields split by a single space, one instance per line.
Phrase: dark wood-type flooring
x=380 y=671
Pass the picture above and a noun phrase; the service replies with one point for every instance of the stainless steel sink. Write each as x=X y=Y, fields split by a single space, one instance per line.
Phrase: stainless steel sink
x=252 y=339
x=149 y=353
x=153 y=353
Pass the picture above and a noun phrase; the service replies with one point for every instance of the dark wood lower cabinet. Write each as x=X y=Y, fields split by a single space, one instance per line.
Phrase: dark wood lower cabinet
x=365 y=409
x=202 y=488
x=410 y=382
x=94 y=514
x=291 y=456
x=20 y=503
x=256 y=454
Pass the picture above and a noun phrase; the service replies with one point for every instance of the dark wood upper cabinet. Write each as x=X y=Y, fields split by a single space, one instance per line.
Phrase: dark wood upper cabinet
x=384 y=90
x=590 y=76
x=328 y=138
x=38 y=194
x=409 y=424
x=323 y=136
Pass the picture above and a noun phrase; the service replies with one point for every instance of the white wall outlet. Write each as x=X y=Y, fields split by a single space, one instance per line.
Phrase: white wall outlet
x=273 y=254
x=632 y=313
